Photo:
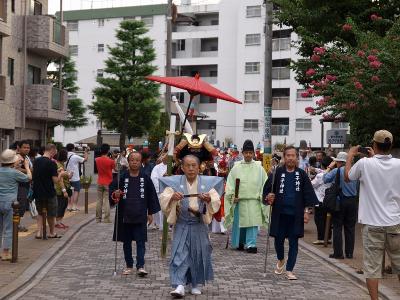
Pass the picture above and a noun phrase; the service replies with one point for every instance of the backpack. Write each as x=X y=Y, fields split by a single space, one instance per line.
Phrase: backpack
x=331 y=202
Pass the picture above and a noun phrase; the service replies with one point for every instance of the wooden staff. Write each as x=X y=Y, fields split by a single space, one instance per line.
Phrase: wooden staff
x=237 y=185
x=327 y=228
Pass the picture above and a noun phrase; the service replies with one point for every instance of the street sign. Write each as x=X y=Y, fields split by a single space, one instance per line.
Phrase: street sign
x=336 y=136
x=267 y=162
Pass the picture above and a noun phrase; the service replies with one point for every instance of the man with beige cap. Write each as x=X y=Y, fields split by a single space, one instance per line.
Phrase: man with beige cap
x=9 y=180
x=379 y=209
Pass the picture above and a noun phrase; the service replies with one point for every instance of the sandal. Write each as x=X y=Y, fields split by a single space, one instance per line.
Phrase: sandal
x=279 y=269
x=291 y=276
x=127 y=271
x=38 y=237
x=56 y=236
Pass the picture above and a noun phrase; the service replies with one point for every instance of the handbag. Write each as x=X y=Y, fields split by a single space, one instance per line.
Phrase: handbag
x=331 y=202
x=33 y=209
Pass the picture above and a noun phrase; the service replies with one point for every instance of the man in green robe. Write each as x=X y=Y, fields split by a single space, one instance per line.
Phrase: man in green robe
x=246 y=212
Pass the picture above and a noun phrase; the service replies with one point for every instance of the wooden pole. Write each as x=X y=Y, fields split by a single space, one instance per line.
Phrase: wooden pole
x=327 y=228
x=171 y=146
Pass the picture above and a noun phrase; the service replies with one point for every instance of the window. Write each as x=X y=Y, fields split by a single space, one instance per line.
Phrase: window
x=281 y=44
x=37 y=8
x=100 y=22
x=303 y=124
x=34 y=74
x=180 y=96
x=214 y=22
x=11 y=70
x=72 y=25
x=280 y=126
x=73 y=50
x=100 y=73
x=253 y=11
x=280 y=69
x=148 y=21
x=280 y=99
x=213 y=73
x=100 y=47
x=180 y=45
x=207 y=100
x=299 y=96
x=340 y=125
x=252 y=68
x=250 y=125
x=251 y=96
x=253 y=39
x=13 y=6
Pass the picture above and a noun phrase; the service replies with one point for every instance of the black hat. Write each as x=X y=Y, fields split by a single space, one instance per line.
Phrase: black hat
x=248 y=146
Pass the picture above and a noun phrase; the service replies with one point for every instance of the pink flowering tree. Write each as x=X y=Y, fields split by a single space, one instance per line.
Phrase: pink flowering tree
x=350 y=64
x=358 y=83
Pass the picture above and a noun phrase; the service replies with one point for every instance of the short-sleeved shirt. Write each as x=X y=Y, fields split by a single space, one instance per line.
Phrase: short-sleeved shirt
x=379 y=190
x=72 y=165
x=105 y=166
x=67 y=184
x=9 y=180
x=349 y=189
x=43 y=171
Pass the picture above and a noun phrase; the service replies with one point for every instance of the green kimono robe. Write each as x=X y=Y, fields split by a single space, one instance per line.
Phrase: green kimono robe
x=252 y=179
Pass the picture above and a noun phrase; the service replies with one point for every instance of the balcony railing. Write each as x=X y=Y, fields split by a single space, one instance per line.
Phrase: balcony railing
x=280 y=130
x=281 y=73
x=56 y=98
x=58 y=33
x=2 y=87
x=282 y=44
x=280 y=103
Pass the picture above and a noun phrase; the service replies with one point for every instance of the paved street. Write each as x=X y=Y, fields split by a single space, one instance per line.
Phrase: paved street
x=85 y=272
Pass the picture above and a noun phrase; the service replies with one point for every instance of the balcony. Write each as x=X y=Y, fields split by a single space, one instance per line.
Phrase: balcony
x=280 y=73
x=46 y=103
x=5 y=28
x=279 y=129
x=2 y=87
x=47 y=37
x=280 y=103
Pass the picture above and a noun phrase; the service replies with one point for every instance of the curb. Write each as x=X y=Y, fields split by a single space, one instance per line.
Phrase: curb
x=30 y=273
x=384 y=292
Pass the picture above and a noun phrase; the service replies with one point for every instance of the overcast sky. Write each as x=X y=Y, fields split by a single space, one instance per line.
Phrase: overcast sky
x=54 y=5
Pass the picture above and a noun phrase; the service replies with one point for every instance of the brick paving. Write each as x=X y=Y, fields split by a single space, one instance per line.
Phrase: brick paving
x=85 y=272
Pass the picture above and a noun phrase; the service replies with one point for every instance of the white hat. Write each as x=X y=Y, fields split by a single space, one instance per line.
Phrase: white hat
x=342 y=156
x=8 y=157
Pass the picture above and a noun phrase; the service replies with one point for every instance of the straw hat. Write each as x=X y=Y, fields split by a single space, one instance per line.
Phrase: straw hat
x=8 y=157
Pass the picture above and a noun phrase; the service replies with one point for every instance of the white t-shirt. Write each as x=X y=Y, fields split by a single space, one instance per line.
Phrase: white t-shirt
x=379 y=190
x=73 y=165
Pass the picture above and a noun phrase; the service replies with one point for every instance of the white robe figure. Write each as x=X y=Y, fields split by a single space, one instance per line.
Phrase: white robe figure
x=157 y=173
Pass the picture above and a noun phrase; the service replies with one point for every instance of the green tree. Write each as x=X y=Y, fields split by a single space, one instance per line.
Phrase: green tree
x=76 y=110
x=350 y=55
x=158 y=132
x=125 y=100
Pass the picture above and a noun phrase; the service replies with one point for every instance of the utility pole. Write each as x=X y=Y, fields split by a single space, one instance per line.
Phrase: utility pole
x=63 y=39
x=168 y=70
x=268 y=82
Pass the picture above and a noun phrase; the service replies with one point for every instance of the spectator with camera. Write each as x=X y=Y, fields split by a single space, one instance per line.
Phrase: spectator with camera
x=10 y=178
x=345 y=216
x=379 y=210
x=63 y=189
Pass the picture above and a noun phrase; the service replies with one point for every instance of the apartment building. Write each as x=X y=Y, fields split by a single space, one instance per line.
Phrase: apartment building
x=225 y=44
x=29 y=105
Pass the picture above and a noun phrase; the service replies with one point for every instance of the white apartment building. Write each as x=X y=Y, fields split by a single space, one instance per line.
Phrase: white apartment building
x=225 y=44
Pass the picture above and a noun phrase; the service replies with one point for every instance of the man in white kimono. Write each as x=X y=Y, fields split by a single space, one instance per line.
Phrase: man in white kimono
x=189 y=202
x=158 y=172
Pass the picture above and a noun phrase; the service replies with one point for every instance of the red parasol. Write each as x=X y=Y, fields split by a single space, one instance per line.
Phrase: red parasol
x=194 y=86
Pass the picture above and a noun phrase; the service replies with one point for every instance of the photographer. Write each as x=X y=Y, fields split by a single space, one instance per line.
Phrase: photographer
x=379 y=209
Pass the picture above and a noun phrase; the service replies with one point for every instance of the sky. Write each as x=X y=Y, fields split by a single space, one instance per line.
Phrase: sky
x=54 y=5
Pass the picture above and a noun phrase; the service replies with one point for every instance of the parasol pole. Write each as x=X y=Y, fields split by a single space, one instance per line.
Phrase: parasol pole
x=171 y=144
x=187 y=112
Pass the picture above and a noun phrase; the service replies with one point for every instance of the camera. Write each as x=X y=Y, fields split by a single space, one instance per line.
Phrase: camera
x=363 y=150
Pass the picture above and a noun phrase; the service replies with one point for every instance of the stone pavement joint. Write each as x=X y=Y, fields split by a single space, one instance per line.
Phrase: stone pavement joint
x=85 y=272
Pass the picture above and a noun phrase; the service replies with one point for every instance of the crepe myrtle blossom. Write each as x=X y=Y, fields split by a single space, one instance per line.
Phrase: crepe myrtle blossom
x=310 y=110
x=347 y=27
x=375 y=78
x=375 y=17
x=358 y=85
x=375 y=64
x=392 y=103
x=310 y=72
x=315 y=58
x=330 y=77
x=319 y=50
x=372 y=58
x=360 y=53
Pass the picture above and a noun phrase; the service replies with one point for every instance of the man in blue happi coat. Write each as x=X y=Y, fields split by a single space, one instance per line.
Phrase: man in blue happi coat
x=137 y=202
x=189 y=202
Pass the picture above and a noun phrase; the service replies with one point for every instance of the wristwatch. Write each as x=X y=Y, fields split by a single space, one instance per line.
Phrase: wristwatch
x=63 y=190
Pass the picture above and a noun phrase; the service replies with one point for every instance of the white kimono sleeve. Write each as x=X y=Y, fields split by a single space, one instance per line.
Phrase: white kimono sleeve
x=212 y=207
x=167 y=206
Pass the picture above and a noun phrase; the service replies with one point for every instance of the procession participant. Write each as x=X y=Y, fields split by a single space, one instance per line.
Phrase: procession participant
x=159 y=171
x=189 y=202
x=136 y=204
x=291 y=195
x=245 y=213
x=217 y=225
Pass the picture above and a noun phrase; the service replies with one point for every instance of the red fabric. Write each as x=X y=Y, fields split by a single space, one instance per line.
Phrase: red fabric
x=194 y=85
x=104 y=165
